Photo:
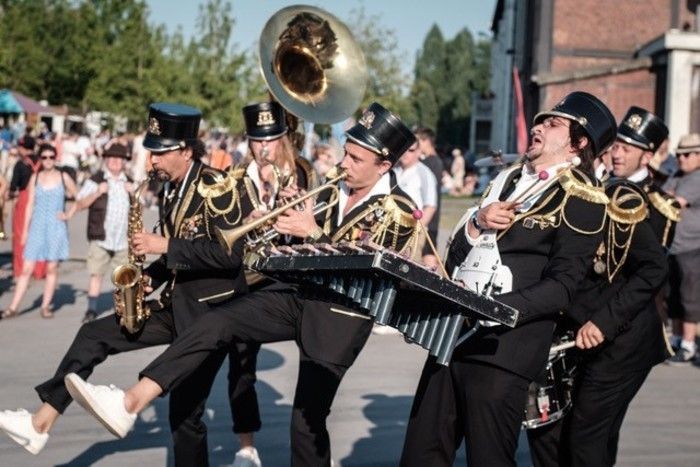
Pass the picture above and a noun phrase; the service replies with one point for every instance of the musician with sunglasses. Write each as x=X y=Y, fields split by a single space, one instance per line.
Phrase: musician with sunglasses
x=529 y=241
x=329 y=335
x=195 y=271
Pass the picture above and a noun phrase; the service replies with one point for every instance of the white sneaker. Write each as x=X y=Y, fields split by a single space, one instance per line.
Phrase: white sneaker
x=247 y=457
x=18 y=426
x=383 y=330
x=105 y=403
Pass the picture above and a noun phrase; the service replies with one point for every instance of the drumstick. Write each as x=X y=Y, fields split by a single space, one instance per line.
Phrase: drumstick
x=560 y=347
x=543 y=176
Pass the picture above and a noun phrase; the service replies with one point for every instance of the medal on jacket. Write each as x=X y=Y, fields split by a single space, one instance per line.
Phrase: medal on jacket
x=598 y=263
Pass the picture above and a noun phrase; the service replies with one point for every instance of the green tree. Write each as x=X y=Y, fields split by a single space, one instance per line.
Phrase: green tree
x=126 y=68
x=24 y=62
x=445 y=76
x=387 y=81
x=218 y=70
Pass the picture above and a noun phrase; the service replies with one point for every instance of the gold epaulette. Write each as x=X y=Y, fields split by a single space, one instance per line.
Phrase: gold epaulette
x=577 y=183
x=627 y=204
x=668 y=207
x=237 y=172
x=219 y=185
x=398 y=215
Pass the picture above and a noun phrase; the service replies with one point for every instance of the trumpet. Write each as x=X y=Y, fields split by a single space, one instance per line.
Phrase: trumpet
x=259 y=232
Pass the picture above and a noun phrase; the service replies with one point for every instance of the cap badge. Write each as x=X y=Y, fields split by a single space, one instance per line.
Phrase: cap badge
x=367 y=119
x=153 y=126
x=265 y=118
x=634 y=121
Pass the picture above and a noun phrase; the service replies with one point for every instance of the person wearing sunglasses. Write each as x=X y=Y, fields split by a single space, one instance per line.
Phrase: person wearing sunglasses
x=45 y=233
x=684 y=299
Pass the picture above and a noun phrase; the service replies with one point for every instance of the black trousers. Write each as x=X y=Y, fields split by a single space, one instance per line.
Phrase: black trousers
x=589 y=434
x=97 y=340
x=264 y=316
x=475 y=402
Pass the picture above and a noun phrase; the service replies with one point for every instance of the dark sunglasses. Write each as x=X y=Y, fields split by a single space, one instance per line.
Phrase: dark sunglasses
x=684 y=154
x=48 y=157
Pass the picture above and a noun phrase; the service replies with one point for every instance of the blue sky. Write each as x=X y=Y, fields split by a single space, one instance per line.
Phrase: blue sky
x=409 y=19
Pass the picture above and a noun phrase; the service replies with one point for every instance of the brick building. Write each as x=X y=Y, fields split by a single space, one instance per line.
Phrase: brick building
x=627 y=52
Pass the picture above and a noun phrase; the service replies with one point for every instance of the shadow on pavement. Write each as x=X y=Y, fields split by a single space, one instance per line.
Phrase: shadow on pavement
x=152 y=427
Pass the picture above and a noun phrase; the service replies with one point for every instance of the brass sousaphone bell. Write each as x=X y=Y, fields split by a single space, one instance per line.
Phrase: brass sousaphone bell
x=312 y=64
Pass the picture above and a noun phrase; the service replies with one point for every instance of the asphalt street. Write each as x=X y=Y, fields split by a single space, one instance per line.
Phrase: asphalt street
x=368 y=419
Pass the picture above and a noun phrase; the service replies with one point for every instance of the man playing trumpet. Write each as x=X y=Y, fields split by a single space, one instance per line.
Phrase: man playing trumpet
x=329 y=335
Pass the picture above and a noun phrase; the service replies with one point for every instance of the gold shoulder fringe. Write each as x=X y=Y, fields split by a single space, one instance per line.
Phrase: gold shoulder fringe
x=584 y=190
x=237 y=172
x=398 y=215
x=222 y=184
x=665 y=206
x=627 y=215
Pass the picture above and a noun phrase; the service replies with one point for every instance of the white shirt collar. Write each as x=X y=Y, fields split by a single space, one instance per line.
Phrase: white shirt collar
x=382 y=187
x=639 y=175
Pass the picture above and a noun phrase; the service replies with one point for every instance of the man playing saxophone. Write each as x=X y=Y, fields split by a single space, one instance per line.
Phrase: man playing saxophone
x=196 y=273
x=329 y=335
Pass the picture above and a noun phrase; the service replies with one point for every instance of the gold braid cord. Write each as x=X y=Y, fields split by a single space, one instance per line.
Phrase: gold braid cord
x=572 y=186
x=221 y=186
x=621 y=227
x=666 y=206
x=385 y=221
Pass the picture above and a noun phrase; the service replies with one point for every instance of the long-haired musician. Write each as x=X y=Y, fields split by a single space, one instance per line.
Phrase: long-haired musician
x=273 y=169
x=329 y=335
x=196 y=273
x=535 y=231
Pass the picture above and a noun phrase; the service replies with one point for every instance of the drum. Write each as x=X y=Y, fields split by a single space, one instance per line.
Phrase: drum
x=549 y=397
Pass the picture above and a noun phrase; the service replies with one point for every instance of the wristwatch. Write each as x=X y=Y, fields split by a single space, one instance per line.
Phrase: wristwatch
x=315 y=234
x=475 y=223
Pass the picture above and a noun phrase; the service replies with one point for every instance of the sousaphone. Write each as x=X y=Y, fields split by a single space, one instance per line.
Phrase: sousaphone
x=312 y=64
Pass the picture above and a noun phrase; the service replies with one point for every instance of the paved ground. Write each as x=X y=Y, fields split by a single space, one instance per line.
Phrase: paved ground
x=368 y=419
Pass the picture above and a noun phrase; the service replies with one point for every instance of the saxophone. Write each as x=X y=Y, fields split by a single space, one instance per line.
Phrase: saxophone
x=128 y=279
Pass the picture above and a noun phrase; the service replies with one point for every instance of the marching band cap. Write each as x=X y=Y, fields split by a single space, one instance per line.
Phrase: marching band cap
x=117 y=150
x=171 y=126
x=590 y=113
x=382 y=132
x=643 y=129
x=689 y=143
x=264 y=121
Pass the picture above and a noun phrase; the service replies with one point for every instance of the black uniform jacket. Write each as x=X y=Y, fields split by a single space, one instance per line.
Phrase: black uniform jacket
x=335 y=333
x=664 y=211
x=620 y=301
x=306 y=178
x=548 y=250
x=196 y=269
